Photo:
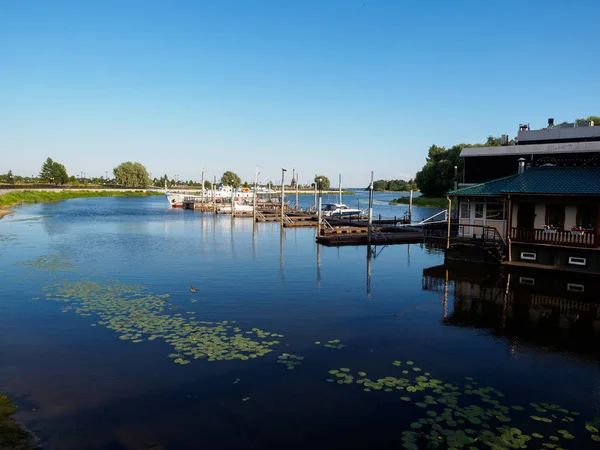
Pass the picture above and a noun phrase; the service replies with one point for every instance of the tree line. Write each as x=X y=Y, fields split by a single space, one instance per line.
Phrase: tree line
x=438 y=174
x=129 y=174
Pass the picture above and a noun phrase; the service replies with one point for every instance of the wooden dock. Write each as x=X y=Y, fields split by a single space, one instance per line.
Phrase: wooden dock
x=335 y=239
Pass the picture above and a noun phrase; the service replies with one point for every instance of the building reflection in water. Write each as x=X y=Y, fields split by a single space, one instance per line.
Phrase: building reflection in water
x=547 y=310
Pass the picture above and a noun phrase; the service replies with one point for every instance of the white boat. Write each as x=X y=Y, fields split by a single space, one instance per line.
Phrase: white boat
x=222 y=195
x=339 y=210
x=237 y=207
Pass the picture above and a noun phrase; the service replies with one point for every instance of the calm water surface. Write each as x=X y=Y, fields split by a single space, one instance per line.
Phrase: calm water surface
x=80 y=386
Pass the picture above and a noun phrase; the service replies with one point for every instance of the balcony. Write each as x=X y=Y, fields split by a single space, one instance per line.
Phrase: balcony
x=554 y=237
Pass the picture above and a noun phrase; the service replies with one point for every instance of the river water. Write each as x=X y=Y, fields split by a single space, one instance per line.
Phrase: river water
x=284 y=344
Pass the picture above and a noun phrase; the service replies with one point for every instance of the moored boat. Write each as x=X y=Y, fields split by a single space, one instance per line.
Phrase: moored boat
x=339 y=210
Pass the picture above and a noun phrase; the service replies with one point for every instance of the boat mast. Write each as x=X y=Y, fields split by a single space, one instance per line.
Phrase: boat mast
x=340 y=188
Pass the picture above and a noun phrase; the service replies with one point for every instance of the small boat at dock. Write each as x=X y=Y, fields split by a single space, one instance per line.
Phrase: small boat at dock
x=340 y=210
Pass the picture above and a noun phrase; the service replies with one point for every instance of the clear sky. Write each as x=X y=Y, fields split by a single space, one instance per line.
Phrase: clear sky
x=324 y=86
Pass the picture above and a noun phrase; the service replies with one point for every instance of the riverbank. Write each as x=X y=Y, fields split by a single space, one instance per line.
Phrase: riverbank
x=12 y=435
x=427 y=202
x=16 y=197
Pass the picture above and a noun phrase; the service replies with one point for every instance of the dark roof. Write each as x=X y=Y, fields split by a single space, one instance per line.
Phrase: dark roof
x=493 y=187
x=549 y=180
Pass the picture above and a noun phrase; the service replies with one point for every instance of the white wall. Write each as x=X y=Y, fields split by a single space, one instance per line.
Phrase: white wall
x=570 y=216
x=540 y=215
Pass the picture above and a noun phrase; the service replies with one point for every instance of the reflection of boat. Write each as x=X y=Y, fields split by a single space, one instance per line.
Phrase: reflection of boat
x=339 y=210
x=222 y=195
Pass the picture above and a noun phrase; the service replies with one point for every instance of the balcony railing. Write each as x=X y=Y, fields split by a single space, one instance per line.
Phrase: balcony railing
x=556 y=237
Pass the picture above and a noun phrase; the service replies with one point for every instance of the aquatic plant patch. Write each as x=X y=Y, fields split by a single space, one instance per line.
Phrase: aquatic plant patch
x=449 y=415
x=291 y=361
x=137 y=315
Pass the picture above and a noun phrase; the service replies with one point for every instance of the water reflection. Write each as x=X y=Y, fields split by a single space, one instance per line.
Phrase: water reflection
x=551 y=311
x=281 y=241
x=319 y=265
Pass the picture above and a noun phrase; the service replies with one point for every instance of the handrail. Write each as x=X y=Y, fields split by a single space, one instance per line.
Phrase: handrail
x=445 y=212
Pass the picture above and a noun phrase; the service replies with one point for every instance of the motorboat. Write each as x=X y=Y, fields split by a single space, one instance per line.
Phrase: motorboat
x=339 y=210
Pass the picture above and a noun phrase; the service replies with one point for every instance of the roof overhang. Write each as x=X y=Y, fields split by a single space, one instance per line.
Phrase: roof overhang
x=532 y=149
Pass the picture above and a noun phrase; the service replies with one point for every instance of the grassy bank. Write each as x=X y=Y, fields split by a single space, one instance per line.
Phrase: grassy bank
x=12 y=436
x=428 y=202
x=29 y=196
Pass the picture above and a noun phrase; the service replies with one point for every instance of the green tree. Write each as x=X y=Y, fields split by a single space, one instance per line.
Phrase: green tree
x=46 y=171
x=437 y=175
x=10 y=176
x=131 y=174
x=231 y=179
x=322 y=182
x=207 y=184
x=59 y=174
x=53 y=172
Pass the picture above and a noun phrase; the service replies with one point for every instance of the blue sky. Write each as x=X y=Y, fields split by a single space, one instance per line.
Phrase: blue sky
x=326 y=87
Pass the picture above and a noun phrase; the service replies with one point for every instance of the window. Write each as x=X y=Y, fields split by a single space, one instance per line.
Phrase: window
x=573 y=287
x=586 y=217
x=555 y=215
x=529 y=256
x=465 y=210
x=527 y=281
x=479 y=210
x=577 y=261
x=494 y=211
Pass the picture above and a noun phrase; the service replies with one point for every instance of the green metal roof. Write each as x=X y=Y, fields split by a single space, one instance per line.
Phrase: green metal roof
x=549 y=180
x=556 y=180
x=493 y=187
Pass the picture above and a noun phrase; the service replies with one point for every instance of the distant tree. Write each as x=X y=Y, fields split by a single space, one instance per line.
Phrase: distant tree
x=231 y=179
x=131 y=174
x=46 y=172
x=53 y=172
x=594 y=119
x=322 y=182
x=207 y=184
x=246 y=185
x=10 y=177
x=59 y=174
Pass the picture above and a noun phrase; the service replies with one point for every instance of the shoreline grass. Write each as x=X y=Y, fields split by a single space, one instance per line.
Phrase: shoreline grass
x=15 y=198
x=12 y=435
x=428 y=202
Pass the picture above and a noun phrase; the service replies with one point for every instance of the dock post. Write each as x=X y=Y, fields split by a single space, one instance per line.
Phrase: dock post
x=297 y=204
x=315 y=202
x=370 y=228
x=254 y=196
x=214 y=195
x=319 y=218
x=202 y=195
x=410 y=206
x=282 y=193
x=448 y=220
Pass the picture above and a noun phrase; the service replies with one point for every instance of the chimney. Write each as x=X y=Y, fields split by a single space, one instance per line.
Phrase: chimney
x=551 y=123
x=521 y=162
